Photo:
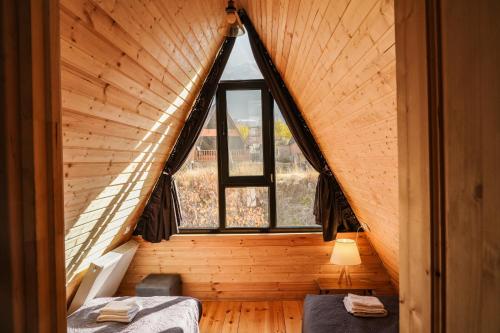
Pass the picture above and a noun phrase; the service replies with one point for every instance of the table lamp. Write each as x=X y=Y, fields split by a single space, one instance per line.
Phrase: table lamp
x=345 y=253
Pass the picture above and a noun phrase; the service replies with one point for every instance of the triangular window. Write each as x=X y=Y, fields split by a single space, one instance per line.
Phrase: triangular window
x=241 y=64
x=245 y=171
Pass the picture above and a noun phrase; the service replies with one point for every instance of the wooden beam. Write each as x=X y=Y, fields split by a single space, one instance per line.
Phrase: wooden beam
x=413 y=152
x=31 y=200
x=471 y=118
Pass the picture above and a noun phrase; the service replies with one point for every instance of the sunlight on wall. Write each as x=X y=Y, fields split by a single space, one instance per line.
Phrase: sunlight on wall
x=107 y=213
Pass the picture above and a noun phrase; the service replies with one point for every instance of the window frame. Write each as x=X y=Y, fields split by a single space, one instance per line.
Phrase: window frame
x=268 y=179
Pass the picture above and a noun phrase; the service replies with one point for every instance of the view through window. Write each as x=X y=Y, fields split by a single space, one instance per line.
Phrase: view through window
x=197 y=182
x=259 y=187
x=295 y=178
x=244 y=125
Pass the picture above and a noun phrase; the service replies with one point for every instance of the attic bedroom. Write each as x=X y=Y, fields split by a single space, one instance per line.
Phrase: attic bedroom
x=250 y=166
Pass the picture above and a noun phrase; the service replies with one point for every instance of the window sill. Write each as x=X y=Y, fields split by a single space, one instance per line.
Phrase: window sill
x=250 y=231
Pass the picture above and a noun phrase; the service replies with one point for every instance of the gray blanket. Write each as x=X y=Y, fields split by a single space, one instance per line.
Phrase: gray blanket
x=158 y=314
x=327 y=314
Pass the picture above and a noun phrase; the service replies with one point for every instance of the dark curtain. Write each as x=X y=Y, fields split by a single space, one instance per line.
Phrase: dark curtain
x=162 y=216
x=328 y=200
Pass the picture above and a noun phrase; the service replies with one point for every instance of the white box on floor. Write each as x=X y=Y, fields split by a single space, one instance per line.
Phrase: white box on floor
x=104 y=275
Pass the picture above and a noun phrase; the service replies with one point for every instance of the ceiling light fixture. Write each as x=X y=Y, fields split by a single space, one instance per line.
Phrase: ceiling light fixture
x=234 y=26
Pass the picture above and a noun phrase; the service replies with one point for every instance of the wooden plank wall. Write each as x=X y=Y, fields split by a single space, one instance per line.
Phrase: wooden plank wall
x=130 y=72
x=414 y=162
x=471 y=108
x=245 y=267
x=338 y=60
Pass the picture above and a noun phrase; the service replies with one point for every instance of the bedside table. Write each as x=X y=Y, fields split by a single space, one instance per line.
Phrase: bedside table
x=332 y=286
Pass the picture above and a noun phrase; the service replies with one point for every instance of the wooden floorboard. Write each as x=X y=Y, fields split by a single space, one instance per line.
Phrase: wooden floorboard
x=248 y=317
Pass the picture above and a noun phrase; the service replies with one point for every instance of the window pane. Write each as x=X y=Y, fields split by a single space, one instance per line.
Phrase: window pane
x=295 y=179
x=241 y=64
x=247 y=207
x=244 y=126
x=197 y=180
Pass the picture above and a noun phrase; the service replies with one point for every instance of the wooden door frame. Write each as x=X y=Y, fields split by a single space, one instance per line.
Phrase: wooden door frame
x=421 y=167
x=31 y=192
x=31 y=167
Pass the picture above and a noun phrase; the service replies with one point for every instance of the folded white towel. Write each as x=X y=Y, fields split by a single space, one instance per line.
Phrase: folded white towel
x=120 y=306
x=119 y=318
x=365 y=301
x=120 y=311
x=364 y=311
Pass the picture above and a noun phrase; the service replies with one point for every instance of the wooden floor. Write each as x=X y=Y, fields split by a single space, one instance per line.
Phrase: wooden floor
x=251 y=317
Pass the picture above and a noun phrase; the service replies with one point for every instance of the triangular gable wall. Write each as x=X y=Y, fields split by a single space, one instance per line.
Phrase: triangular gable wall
x=162 y=215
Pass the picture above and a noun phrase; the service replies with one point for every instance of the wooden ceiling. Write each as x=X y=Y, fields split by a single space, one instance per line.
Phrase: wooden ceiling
x=131 y=70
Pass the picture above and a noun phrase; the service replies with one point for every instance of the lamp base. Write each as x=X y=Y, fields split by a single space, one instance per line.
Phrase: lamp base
x=344 y=275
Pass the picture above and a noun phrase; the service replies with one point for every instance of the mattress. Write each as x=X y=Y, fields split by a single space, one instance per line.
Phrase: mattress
x=157 y=314
x=326 y=313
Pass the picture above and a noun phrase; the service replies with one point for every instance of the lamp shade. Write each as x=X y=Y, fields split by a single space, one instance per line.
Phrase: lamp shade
x=345 y=253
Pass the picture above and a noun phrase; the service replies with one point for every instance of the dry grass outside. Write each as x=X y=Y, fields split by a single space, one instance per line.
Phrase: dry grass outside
x=295 y=191
x=246 y=207
x=198 y=195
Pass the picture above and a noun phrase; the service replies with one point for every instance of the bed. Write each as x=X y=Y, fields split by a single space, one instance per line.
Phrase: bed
x=165 y=314
x=326 y=313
